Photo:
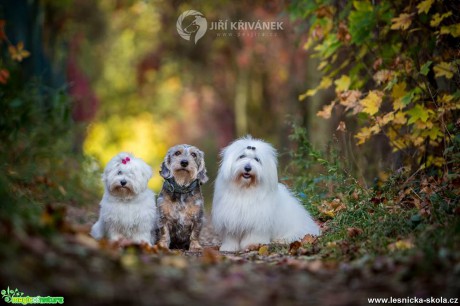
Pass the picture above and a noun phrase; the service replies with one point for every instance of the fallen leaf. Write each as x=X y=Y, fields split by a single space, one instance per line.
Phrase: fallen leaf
x=263 y=250
x=294 y=247
x=308 y=239
x=175 y=261
x=401 y=245
x=211 y=256
x=354 y=231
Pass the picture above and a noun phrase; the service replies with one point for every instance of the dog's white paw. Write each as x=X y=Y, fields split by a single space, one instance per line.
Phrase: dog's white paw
x=230 y=244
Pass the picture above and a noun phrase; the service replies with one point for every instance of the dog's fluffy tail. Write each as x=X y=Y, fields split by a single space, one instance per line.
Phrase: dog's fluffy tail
x=293 y=221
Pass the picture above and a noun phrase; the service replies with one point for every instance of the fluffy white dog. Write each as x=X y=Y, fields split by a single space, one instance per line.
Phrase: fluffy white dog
x=250 y=206
x=127 y=209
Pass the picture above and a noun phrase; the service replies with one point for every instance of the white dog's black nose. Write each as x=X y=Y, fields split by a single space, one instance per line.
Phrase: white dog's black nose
x=184 y=163
x=247 y=168
x=123 y=182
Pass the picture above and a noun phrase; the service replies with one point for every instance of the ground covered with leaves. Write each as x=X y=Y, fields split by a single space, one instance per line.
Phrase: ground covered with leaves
x=60 y=259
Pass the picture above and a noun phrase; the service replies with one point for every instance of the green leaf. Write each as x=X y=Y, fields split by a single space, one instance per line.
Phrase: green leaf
x=425 y=68
x=407 y=98
x=419 y=112
x=361 y=24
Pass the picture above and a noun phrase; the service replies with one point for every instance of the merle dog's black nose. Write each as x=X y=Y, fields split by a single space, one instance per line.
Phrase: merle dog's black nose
x=247 y=168
x=123 y=182
x=184 y=163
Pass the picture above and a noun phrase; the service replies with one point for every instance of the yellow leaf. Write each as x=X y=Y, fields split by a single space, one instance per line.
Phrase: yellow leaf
x=401 y=245
x=342 y=83
x=363 y=135
x=437 y=18
x=371 y=103
x=445 y=98
x=325 y=83
x=437 y=161
x=402 y=22
x=433 y=133
x=399 y=90
x=424 y=6
x=18 y=53
x=326 y=111
x=263 y=250
x=443 y=69
x=308 y=93
x=400 y=118
x=453 y=30
x=385 y=119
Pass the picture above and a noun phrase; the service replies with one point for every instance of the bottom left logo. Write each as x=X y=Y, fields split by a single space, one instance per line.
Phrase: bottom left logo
x=14 y=296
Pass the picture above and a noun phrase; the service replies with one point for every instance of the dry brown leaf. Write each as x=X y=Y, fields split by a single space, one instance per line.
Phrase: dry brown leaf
x=294 y=247
x=211 y=256
x=354 y=231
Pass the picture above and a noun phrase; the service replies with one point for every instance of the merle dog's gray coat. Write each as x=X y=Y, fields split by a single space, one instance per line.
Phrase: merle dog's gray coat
x=180 y=201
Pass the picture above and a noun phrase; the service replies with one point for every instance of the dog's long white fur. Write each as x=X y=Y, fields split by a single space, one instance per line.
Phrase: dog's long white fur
x=263 y=212
x=133 y=217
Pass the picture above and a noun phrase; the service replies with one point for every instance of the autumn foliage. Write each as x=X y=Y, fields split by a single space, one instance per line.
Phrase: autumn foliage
x=394 y=68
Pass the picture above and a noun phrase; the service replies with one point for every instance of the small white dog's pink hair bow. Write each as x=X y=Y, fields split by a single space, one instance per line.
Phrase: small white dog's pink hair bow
x=125 y=160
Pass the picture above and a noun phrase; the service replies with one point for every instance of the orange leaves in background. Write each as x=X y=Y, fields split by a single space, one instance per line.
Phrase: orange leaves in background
x=4 y=76
x=2 y=30
x=326 y=111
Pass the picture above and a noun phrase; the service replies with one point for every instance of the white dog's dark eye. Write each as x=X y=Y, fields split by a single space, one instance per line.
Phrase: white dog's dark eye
x=177 y=153
x=194 y=155
x=119 y=172
x=257 y=159
x=242 y=156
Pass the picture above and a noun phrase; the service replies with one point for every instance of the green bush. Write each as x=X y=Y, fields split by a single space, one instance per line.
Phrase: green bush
x=406 y=213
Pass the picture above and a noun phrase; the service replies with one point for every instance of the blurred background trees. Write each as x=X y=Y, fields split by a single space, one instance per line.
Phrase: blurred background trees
x=103 y=77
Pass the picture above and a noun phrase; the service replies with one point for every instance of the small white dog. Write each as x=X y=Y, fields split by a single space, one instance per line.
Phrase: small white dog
x=127 y=209
x=250 y=207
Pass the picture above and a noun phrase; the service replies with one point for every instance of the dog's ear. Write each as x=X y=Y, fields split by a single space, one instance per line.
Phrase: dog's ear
x=202 y=173
x=165 y=172
x=202 y=176
x=147 y=172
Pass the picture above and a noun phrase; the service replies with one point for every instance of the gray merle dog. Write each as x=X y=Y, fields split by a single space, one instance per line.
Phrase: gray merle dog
x=180 y=201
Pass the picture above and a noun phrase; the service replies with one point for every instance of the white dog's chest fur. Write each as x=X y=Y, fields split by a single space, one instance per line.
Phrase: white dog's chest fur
x=241 y=211
x=129 y=219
